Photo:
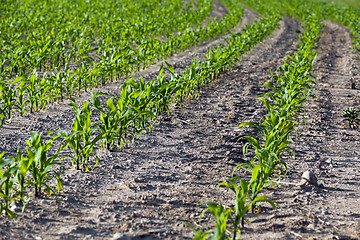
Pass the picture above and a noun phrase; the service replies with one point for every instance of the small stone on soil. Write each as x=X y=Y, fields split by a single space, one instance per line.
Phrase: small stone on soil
x=118 y=236
x=310 y=177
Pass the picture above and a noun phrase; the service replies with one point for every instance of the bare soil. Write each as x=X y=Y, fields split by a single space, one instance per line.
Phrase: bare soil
x=148 y=189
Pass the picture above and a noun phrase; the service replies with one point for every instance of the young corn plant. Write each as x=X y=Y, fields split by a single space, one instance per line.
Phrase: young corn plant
x=59 y=82
x=37 y=91
x=110 y=120
x=8 y=171
x=126 y=131
x=40 y=164
x=23 y=165
x=352 y=117
x=21 y=102
x=81 y=139
x=229 y=221
x=222 y=216
x=135 y=105
x=163 y=90
x=7 y=101
x=244 y=200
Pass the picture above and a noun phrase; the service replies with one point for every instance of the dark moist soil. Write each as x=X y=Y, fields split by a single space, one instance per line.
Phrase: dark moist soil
x=148 y=189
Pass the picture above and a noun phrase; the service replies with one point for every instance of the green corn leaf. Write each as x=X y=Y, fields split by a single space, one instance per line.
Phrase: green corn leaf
x=10 y=213
x=255 y=172
x=253 y=142
x=251 y=124
x=170 y=68
x=264 y=199
x=96 y=102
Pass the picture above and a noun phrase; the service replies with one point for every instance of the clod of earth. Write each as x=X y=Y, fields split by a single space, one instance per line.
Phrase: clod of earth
x=309 y=177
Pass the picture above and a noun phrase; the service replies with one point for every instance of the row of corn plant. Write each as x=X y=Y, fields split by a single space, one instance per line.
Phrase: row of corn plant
x=270 y=149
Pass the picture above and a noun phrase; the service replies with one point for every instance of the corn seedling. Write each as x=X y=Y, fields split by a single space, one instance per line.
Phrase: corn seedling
x=8 y=171
x=234 y=215
x=352 y=117
x=80 y=140
x=137 y=99
x=37 y=91
x=21 y=102
x=111 y=121
x=7 y=101
x=41 y=164
x=222 y=216
x=23 y=165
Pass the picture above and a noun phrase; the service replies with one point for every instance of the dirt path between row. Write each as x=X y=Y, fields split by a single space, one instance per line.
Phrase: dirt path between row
x=150 y=188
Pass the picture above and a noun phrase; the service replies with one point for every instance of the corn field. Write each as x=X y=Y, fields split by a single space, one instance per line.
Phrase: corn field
x=59 y=120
